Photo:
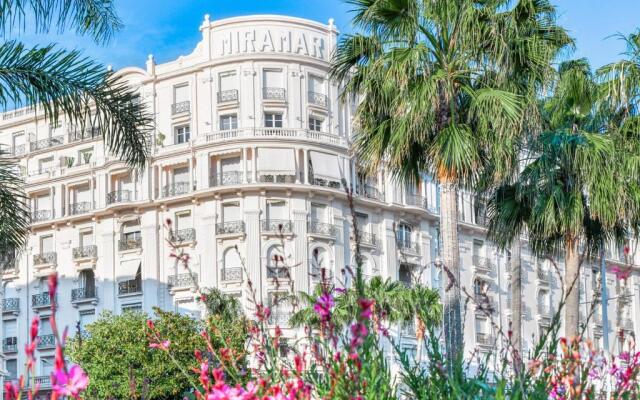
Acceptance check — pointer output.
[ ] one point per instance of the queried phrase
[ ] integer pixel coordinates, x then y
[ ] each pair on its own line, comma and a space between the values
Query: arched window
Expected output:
276, 268
404, 235
543, 302
231, 265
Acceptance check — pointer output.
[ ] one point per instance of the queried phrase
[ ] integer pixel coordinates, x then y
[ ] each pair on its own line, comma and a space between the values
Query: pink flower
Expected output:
620, 273
323, 306
162, 345
366, 306
263, 312
70, 384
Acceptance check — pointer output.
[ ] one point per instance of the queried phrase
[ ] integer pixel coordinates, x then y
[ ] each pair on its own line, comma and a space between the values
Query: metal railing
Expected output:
131, 286
321, 228
89, 251
276, 177
333, 184
14, 151
11, 305
45, 258
83, 293
316, 136
417, 201
279, 318
408, 246
183, 235
226, 179
319, 99
183, 280
118, 196
232, 274
276, 272
80, 208
272, 93
482, 264
41, 215
43, 381
176, 189
231, 227
368, 238
10, 344
129, 244
41, 300
370, 192
181, 107
88, 133
484, 339
277, 226
47, 143
227, 95
46, 341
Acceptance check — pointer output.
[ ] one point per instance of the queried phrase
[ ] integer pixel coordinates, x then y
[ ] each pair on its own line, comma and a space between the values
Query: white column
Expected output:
255, 164
191, 165
243, 158
253, 250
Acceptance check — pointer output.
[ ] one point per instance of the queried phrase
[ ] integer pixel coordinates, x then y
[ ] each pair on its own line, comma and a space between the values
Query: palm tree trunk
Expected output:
450, 262
516, 303
571, 288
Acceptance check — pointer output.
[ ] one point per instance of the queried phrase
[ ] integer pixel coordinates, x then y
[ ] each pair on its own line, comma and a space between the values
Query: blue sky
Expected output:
168, 29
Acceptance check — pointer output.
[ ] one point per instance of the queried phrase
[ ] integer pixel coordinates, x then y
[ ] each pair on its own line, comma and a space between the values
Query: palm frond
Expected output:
15, 216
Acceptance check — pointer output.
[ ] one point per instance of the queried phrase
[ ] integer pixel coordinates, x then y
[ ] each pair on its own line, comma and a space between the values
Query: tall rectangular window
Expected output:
183, 220
318, 212
273, 120
231, 212
276, 209
45, 164
180, 93
229, 121
12, 369
46, 244
315, 124
182, 134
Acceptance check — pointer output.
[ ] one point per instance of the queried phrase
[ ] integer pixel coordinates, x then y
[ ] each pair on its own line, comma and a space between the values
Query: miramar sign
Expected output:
244, 41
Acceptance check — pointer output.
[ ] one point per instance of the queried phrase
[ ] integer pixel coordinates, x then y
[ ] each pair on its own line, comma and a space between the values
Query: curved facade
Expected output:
252, 139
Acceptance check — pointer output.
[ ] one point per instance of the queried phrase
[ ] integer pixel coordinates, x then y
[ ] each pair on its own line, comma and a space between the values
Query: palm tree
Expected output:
66, 83
572, 190
433, 77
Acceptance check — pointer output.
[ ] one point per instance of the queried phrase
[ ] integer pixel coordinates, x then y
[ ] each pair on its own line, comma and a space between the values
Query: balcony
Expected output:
11, 305
370, 192
129, 244
41, 215
279, 318
180, 236
321, 228
482, 264
41, 300
90, 251
276, 178
230, 228
325, 183
182, 107
226, 96
118, 196
47, 143
82, 207
88, 133
43, 381
277, 226
408, 246
368, 239
176, 189
417, 201
82, 294
14, 151
130, 287
10, 344
46, 342
275, 133
182, 281
318, 99
49, 258
278, 272
485, 339
232, 274
271, 93
226, 179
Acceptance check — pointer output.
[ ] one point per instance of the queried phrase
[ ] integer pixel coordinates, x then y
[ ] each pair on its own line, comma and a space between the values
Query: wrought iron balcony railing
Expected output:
277, 272
181, 107
408, 246
41, 215
118, 196
45, 258
231, 227
47, 143
46, 341
10, 344
485, 339
277, 226
183, 235
277, 178
80, 208
129, 244
272, 93
482, 264
88, 133
417, 201
368, 238
370, 192
227, 95
183, 280
132, 286
232, 274
41, 300
43, 381
319, 99
226, 179
321, 228
90, 251
11, 305
176, 189
333, 184
83, 293
13, 151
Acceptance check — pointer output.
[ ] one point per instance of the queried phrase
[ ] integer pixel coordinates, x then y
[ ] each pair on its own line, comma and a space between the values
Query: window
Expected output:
363, 221
277, 210
87, 317
86, 238
232, 265
12, 369
318, 212
276, 268
9, 329
180, 93
228, 87
404, 235
131, 307
182, 134
478, 248
87, 281
273, 78
272, 120
231, 212
320, 265
181, 175
480, 287
315, 124
46, 244
84, 156
45, 164
229, 121
481, 325
131, 231
405, 274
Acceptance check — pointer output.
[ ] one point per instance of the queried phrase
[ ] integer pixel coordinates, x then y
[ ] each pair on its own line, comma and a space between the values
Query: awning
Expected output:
276, 161
326, 166
128, 269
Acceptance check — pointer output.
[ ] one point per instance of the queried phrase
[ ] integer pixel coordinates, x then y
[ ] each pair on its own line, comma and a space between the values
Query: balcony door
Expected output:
87, 281
86, 238
277, 210
319, 212
231, 212
46, 244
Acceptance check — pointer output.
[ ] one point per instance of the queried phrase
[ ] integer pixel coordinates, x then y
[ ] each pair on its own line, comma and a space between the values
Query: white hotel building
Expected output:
251, 134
